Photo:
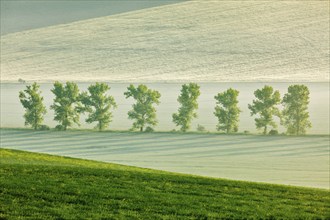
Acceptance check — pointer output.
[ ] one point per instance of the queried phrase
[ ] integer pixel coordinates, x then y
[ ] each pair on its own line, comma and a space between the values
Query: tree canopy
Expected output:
143, 112
227, 110
266, 106
188, 106
295, 112
32, 101
66, 104
98, 105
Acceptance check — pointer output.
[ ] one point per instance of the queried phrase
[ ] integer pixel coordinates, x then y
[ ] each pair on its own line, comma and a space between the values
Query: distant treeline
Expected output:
69, 103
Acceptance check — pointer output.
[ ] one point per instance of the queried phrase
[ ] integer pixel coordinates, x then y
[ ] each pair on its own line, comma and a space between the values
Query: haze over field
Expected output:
20, 15
191, 41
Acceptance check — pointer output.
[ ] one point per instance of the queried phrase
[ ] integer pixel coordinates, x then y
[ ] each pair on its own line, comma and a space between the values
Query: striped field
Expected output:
300, 161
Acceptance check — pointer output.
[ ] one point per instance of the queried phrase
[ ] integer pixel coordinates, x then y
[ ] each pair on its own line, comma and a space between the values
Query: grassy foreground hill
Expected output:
40, 186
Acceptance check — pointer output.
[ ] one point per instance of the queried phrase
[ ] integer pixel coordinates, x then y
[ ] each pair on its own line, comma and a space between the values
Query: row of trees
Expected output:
294, 116
69, 103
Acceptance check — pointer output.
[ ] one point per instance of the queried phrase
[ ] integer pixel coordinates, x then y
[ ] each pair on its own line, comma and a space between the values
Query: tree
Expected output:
187, 111
143, 112
98, 104
32, 101
295, 112
265, 106
227, 110
66, 104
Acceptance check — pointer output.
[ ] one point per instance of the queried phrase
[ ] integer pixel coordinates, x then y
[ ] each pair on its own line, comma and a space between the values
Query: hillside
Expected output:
38, 186
192, 41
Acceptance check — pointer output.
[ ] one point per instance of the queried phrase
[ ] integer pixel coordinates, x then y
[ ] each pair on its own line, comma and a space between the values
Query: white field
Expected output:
300, 161
202, 41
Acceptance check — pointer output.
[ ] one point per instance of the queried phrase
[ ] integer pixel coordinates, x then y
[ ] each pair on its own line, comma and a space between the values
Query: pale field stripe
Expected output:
299, 161
163, 144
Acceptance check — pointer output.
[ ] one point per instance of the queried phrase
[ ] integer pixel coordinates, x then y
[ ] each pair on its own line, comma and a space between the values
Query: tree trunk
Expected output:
66, 119
297, 130
35, 120
141, 128
298, 123
100, 125
298, 127
265, 130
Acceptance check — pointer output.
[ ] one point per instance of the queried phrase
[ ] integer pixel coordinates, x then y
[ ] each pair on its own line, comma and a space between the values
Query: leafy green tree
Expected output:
265, 106
227, 110
143, 112
295, 112
66, 104
187, 111
32, 101
98, 105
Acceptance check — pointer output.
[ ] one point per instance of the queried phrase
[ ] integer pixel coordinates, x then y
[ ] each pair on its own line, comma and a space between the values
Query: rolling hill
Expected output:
39, 186
191, 41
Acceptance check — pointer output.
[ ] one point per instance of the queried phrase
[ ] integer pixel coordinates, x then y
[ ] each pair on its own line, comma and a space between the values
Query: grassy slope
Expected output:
45, 187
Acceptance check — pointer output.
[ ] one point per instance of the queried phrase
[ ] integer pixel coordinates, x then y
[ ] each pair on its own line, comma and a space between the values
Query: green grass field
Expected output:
40, 186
